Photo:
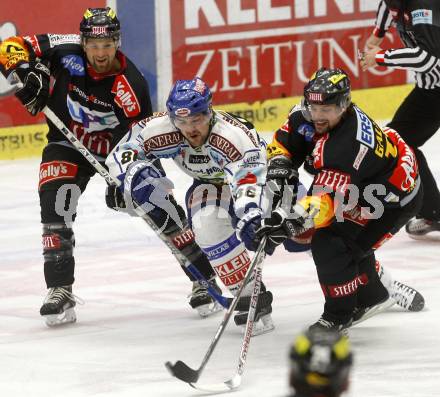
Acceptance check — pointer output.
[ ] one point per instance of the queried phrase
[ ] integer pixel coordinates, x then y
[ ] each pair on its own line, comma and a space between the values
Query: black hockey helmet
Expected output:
320, 363
100, 23
328, 86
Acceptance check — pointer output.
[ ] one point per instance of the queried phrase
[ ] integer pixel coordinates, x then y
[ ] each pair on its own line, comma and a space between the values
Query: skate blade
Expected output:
431, 236
414, 304
54, 320
417, 304
263, 326
209, 309
376, 310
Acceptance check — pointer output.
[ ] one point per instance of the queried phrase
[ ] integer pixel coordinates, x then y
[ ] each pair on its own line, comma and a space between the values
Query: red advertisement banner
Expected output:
249, 50
28, 17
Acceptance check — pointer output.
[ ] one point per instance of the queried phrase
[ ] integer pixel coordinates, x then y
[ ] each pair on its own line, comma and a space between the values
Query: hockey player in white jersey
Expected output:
227, 160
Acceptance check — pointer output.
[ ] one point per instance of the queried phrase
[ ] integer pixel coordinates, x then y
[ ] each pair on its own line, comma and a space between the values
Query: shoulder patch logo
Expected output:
365, 130
307, 131
74, 64
125, 97
421, 16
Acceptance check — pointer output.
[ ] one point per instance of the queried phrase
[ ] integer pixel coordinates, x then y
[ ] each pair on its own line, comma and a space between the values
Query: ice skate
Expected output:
58, 306
201, 301
423, 229
362, 314
327, 325
263, 322
407, 297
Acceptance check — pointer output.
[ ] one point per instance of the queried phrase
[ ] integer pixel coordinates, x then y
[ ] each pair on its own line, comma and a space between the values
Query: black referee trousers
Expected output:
416, 120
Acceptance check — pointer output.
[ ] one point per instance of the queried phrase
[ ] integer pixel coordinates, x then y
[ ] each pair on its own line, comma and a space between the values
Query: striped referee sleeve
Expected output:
383, 20
414, 59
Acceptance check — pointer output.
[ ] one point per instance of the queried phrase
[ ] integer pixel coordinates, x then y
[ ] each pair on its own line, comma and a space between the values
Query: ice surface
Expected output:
136, 315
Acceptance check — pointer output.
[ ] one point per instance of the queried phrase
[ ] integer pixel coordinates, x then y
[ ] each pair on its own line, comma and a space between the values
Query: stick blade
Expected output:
181, 371
234, 383
225, 387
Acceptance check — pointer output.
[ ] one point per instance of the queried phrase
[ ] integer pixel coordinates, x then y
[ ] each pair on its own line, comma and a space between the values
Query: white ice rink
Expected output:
136, 314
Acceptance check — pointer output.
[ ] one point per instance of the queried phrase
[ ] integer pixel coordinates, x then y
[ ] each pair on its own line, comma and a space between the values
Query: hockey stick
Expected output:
235, 381
183, 372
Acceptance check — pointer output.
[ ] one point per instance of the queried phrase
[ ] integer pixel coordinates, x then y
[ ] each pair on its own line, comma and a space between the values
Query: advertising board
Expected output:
249, 50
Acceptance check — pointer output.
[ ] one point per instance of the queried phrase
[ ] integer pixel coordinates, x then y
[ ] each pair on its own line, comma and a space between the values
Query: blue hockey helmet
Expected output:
189, 97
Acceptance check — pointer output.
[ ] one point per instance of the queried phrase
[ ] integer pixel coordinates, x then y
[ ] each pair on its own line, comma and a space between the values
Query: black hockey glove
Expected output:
282, 181
277, 228
35, 91
282, 225
114, 198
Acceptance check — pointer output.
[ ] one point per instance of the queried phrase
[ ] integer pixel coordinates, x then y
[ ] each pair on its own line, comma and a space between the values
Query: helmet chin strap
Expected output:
305, 110
343, 110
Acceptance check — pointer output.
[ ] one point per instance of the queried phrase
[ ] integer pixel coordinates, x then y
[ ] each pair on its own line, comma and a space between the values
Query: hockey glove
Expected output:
35, 91
250, 232
277, 229
282, 181
114, 198
146, 186
282, 226
247, 228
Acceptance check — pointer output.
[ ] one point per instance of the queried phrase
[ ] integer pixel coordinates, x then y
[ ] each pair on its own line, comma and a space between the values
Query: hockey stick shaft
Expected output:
235, 381
114, 181
251, 315
80, 147
255, 261
180, 369
225, 302
70, 136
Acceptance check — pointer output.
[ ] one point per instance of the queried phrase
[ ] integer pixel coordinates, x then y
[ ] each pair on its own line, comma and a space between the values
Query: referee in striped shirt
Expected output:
418, 117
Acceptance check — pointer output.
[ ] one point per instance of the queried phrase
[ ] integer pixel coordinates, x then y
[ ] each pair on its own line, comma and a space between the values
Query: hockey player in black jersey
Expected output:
417, 119
98, 93
366, 186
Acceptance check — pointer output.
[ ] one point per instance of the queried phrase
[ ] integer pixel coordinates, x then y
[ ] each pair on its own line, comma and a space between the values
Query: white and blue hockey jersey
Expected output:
233, 154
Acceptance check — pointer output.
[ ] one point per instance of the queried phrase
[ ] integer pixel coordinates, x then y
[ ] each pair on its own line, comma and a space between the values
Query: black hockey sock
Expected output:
59, 263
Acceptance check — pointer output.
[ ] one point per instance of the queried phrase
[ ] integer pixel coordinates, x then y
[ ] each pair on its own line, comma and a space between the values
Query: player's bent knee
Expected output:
230, 261
330, 253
